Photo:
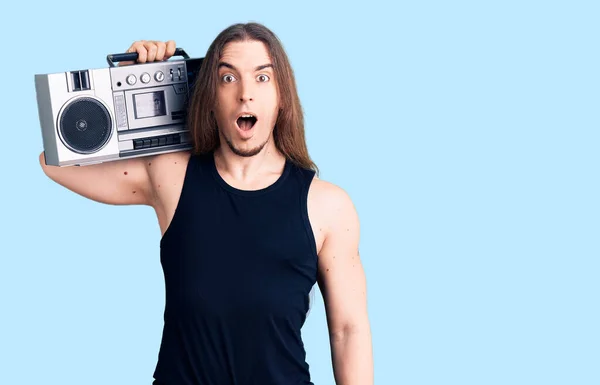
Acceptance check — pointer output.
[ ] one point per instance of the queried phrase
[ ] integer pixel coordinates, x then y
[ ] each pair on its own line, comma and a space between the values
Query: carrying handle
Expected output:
133, 56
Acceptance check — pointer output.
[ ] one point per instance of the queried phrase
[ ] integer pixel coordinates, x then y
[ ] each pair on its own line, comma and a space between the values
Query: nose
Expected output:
246, 91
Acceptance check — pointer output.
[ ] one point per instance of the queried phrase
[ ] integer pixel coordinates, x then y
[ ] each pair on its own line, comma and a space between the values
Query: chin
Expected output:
245, 151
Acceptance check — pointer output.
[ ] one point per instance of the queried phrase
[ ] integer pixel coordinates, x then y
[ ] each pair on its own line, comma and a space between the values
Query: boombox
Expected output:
105, 114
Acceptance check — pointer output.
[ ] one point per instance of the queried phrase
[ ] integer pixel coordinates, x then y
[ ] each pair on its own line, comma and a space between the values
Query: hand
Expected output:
150, 50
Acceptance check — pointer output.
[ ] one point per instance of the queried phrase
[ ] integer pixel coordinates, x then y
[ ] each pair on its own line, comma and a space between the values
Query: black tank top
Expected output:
239, 267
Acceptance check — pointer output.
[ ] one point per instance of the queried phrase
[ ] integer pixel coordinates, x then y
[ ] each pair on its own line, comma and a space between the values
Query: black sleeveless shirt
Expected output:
239, 266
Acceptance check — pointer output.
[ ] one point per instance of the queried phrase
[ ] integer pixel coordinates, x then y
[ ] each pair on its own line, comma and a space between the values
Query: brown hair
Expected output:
289, 128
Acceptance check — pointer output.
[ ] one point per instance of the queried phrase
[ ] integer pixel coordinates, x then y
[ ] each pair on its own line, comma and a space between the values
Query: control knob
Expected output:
131, 79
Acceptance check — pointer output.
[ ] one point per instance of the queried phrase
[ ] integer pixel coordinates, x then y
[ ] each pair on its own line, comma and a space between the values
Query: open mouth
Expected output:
246, 122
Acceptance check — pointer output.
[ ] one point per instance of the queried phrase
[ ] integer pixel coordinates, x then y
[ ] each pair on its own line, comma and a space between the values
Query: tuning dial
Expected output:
131, 79
159, 76
145, 78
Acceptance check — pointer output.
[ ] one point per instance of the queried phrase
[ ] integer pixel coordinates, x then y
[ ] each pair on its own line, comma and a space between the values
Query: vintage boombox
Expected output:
100, 115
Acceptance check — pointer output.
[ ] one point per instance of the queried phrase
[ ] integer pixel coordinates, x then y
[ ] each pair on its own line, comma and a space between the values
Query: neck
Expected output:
248, 169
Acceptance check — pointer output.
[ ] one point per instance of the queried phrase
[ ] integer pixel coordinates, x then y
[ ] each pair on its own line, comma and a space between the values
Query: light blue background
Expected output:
465, 132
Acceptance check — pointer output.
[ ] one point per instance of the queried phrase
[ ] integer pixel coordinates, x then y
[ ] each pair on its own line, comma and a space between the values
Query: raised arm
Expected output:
119, 182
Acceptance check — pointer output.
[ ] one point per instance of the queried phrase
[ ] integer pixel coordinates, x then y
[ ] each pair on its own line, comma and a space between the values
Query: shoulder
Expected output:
164, 164
333, 204
328, 193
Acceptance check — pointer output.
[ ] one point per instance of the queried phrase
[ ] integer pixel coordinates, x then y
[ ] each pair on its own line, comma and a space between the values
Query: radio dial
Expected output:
131, 80
145, 78
159, 76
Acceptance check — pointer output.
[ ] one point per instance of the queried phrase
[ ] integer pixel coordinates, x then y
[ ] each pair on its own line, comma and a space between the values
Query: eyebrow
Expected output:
260, 67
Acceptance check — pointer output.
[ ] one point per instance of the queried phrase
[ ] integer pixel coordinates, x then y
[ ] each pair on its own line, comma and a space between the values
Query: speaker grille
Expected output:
85, 125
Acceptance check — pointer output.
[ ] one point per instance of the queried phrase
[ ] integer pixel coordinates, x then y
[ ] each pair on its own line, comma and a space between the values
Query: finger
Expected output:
129, 50
139, 47
125, 63
170, 49
151, 48
160, 50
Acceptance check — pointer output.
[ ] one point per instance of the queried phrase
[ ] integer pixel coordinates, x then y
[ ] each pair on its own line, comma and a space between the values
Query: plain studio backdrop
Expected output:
465, 132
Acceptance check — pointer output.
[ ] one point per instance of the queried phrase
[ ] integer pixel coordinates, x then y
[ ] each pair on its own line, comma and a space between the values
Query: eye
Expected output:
263, 78
227, 78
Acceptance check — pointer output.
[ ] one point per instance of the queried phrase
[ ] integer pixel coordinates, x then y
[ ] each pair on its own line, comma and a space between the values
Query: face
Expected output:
247, 100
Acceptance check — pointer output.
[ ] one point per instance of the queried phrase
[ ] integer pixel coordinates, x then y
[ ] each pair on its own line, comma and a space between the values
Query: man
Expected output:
247, 228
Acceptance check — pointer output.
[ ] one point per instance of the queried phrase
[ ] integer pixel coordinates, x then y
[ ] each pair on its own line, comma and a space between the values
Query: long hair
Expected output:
288, 133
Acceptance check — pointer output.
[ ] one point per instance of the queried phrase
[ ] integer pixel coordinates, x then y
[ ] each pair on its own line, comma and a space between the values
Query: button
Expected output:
169, 139
131, 80
162, 141
154, 142
138, 143
147, 143
145, 78
176, 139
159, 76
85, 80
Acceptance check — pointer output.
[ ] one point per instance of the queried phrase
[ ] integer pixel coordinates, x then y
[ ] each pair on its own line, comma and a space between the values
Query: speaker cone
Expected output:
85, 125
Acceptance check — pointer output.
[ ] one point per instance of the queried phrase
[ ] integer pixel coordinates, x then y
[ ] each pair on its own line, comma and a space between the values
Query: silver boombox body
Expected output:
100, 115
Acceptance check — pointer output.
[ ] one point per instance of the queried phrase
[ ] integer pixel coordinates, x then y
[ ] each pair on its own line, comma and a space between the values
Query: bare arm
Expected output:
343, 284
121, 182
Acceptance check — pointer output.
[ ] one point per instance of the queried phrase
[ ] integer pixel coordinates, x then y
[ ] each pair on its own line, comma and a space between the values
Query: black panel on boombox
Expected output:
85, 125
